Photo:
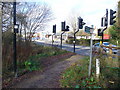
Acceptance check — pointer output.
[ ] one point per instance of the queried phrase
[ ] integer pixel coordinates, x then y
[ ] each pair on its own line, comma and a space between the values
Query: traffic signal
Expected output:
67, 28
106, 22
102, 21
54, 28
80, 23
99, 32
106, 18
63, 26
112, 17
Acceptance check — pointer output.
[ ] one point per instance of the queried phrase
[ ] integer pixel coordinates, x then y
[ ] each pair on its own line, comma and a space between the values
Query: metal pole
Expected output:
102, 37
103, 33
14, 42
75, 39
74, 42
61, 39
52, 40
90, 63
91, 43
75, 33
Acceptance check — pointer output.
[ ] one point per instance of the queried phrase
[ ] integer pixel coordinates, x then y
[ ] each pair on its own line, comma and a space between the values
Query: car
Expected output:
114, 51
97, 46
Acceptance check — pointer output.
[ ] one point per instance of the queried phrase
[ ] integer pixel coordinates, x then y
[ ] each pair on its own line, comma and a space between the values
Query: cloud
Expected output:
90, 10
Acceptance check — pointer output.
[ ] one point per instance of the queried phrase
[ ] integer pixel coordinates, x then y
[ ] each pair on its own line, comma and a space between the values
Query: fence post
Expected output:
110, 52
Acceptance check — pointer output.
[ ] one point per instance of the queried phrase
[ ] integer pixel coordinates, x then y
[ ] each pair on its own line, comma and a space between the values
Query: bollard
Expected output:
97, 68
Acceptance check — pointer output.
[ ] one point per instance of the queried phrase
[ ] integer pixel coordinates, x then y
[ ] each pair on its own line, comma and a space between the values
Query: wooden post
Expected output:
110, 52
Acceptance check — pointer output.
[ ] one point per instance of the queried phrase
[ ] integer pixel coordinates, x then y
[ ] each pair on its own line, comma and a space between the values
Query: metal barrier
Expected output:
111, 52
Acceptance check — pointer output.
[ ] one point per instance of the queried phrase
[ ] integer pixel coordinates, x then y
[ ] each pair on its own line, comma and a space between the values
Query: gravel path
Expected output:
50, 77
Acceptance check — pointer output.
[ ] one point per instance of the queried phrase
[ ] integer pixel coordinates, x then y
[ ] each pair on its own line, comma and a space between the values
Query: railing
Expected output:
111, 52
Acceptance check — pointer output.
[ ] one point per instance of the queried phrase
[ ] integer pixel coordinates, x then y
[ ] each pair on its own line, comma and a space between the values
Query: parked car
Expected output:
96, 47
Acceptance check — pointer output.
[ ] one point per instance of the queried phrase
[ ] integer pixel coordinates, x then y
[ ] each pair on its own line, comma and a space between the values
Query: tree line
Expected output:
31, 17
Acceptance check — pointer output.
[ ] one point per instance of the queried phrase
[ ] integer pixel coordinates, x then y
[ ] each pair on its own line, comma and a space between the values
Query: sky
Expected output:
90, 10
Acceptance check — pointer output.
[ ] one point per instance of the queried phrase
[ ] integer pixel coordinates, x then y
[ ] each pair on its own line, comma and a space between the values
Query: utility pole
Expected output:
14, 40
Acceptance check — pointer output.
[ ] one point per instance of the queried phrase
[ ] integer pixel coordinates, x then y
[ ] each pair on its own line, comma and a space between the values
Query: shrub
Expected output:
77, 75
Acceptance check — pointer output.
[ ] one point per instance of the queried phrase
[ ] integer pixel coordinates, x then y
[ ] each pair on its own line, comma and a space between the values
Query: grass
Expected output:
77, 75
32, 63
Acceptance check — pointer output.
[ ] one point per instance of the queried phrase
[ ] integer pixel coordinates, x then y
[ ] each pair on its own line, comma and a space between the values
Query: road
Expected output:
81, 50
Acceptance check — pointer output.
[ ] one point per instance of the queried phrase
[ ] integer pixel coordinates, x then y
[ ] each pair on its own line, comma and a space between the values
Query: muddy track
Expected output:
50, 77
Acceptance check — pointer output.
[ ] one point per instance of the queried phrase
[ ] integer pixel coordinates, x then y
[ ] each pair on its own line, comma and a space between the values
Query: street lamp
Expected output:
16, 27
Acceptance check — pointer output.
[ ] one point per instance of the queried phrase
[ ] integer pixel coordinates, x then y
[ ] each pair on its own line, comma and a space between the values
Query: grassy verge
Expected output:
32, 63
77, 75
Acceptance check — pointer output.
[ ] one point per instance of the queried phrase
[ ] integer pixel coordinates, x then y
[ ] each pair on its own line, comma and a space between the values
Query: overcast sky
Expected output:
90, 10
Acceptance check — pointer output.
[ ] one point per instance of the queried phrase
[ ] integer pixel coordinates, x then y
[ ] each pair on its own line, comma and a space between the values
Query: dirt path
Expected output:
50, 77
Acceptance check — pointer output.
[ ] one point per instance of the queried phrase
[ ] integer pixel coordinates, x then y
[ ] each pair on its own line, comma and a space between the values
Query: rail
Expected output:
111, 52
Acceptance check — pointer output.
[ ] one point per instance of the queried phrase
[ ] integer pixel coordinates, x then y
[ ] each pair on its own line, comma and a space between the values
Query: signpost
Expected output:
91, 43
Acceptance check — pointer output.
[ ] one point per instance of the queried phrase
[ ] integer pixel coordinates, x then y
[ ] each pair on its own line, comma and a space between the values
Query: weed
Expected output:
109, 74
32, 65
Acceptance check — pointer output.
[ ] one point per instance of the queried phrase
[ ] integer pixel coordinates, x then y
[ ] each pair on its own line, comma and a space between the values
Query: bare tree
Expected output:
38, 17
6, 16
119, 13
73, 20
33, 17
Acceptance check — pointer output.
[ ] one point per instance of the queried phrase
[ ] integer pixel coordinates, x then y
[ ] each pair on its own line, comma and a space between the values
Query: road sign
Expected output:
88, 29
